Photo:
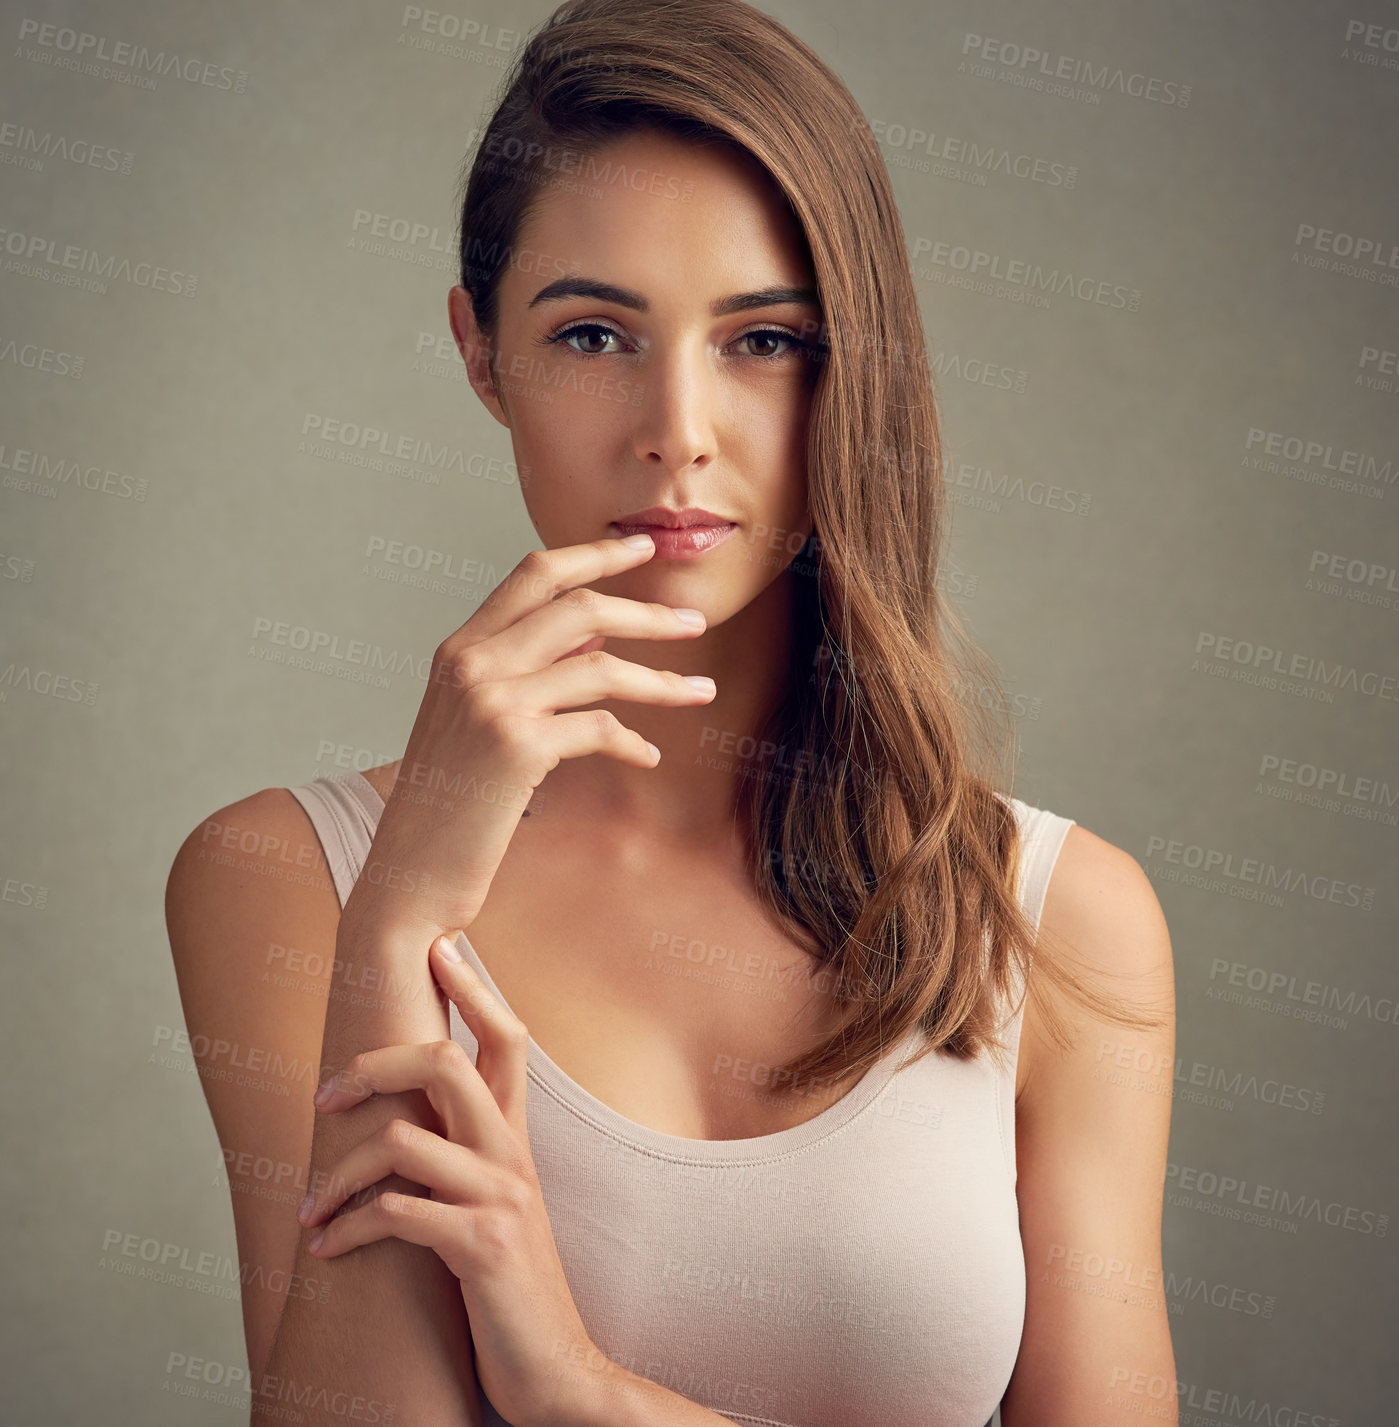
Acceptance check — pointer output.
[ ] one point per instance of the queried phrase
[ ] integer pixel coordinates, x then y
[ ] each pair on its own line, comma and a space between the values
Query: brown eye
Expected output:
594, 339
766, 337
589, 332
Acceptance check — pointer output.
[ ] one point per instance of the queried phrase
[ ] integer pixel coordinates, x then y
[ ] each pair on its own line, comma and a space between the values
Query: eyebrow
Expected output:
565, 287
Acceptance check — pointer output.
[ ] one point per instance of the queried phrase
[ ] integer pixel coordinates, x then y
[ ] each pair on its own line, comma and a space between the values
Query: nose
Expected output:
675, 425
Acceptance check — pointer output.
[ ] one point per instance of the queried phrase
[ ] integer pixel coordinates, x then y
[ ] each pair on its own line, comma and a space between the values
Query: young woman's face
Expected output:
654, 347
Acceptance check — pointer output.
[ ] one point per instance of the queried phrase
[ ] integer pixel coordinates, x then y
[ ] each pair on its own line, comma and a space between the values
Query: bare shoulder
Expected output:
256, 861
251, 913
1100, 906
1094, 886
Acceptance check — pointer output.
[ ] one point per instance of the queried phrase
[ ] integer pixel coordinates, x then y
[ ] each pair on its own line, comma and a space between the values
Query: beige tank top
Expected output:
864, 1267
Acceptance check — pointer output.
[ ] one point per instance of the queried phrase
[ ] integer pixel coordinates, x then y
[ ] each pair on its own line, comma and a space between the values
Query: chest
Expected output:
872, 1274
661, 984
662, 987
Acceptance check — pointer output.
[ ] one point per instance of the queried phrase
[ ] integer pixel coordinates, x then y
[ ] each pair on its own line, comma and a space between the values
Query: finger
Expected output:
443, 1069
575, 735
502, 1042
395, 1216
542, 576
451, 1171
573, 682
569, 625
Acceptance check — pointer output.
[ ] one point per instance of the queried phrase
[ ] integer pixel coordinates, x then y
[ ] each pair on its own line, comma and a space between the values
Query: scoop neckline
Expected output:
554, 1081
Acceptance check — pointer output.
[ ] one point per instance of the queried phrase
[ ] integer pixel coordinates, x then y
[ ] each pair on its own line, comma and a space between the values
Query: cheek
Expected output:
563, 463
771, 428
584, 416
771, 454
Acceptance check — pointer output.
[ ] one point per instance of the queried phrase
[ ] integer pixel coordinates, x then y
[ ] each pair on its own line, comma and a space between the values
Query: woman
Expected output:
786, 1141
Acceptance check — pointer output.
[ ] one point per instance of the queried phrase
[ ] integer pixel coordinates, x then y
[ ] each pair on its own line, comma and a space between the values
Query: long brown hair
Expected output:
877, 831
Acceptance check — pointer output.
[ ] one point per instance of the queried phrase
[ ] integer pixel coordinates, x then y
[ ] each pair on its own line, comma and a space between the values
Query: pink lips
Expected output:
667, 519
677, 534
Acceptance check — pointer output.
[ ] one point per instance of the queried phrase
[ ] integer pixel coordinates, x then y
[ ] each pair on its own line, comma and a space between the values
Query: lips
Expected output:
678, 534
659, 517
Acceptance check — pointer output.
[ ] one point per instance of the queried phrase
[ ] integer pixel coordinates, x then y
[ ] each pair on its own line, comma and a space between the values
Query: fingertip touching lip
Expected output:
667, 519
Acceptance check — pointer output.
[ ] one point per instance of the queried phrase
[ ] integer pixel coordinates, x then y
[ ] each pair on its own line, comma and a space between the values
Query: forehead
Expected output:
661, 215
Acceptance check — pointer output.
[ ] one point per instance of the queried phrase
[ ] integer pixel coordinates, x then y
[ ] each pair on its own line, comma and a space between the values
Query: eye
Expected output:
769, 335
775, 342
592, 329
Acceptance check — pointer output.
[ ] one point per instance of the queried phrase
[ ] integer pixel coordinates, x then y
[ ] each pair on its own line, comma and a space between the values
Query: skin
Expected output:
630, 850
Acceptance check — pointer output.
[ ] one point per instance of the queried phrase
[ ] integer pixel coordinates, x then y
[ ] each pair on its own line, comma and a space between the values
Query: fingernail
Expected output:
638, 541
701, 681
448, 949
693, 617
304, 1208
325, 1092
316, 1242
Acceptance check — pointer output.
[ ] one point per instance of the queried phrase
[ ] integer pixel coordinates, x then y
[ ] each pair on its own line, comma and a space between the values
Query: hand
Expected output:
485, 1217
489, 730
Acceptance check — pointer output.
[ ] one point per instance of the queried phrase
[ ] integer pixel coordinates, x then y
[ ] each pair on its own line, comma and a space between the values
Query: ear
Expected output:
475, 350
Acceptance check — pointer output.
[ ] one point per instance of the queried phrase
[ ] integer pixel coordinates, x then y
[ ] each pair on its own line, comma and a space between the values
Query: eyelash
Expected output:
798, 346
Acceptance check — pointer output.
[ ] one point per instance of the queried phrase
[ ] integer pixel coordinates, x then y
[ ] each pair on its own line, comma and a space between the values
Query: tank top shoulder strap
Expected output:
344, 813
1042, 834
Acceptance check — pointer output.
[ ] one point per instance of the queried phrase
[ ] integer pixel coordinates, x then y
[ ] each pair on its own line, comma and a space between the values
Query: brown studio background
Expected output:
1188, 451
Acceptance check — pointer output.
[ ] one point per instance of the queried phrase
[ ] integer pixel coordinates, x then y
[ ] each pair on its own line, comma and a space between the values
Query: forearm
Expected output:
392, 1328
612, 1396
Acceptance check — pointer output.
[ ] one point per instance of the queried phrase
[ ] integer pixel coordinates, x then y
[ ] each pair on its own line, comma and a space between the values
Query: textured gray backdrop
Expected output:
1158, 258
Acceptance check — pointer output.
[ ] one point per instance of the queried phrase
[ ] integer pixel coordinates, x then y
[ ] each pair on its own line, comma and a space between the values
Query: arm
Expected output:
486, 1219
1091, 1143
387, 1323
619, 1398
